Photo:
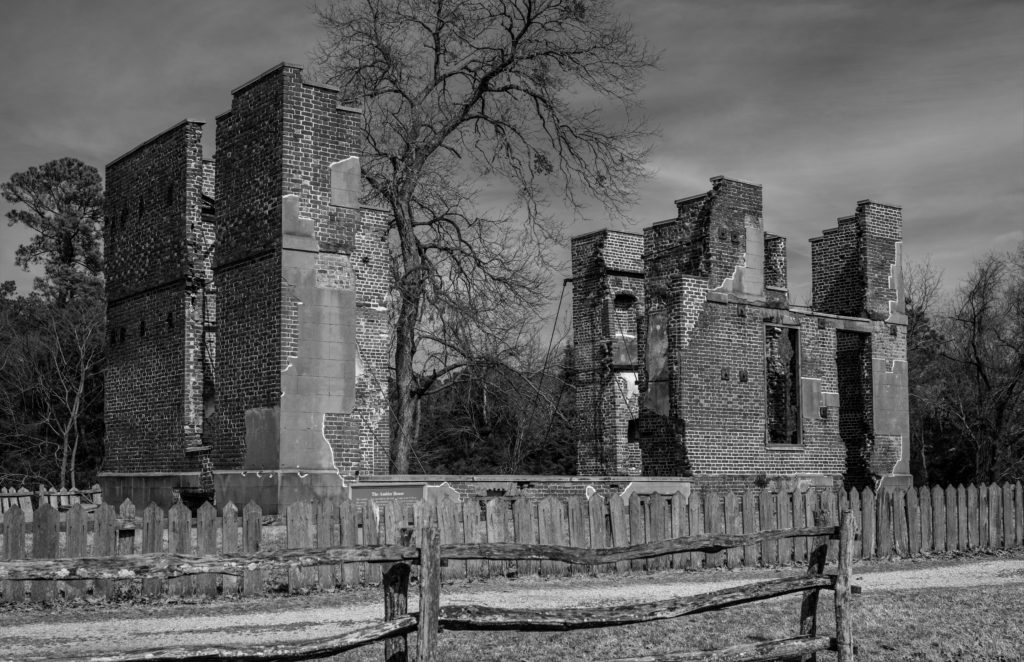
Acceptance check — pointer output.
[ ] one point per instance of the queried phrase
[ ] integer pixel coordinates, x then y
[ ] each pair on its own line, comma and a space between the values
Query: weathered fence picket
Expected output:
696, 528
206, 543
45, 543
766, 508
636, 528
252, 535
913, 523
892, 523
77, 547
229, 545
578, 533
104, 543
784, 504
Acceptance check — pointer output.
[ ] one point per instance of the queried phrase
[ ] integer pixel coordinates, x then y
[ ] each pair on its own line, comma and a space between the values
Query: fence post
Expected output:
396, 600
815, 566
844, 617
430, 592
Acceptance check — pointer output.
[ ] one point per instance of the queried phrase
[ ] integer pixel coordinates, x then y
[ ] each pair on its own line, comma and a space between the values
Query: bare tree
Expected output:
983, 353
51, 388
923, 287
510, 416
458, 93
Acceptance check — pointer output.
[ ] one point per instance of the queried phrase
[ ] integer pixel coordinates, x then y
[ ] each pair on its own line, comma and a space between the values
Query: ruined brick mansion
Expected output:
249, 334
691, 360
246, 305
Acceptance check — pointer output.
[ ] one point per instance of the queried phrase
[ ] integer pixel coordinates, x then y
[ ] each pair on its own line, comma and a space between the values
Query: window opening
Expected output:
624, 349
782, 384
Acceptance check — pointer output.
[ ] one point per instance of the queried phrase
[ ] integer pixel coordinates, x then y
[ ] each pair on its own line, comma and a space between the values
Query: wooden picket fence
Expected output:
430, 553
61, 499
920, 521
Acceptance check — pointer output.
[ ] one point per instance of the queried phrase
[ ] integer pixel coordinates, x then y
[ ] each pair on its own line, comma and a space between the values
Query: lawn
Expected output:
979, 623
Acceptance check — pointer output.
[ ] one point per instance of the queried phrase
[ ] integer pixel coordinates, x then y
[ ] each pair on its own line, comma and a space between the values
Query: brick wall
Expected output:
852, 263
157, 248
714, 284
241, 269
775, 272
608, 295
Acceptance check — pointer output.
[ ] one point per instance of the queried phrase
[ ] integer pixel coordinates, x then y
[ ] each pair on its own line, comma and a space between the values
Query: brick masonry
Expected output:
248, 298
712, 308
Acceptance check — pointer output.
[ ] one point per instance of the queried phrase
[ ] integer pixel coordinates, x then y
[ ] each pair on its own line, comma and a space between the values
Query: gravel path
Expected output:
72, 632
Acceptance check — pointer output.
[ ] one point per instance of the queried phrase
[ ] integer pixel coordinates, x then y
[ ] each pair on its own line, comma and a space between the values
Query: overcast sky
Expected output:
916, 103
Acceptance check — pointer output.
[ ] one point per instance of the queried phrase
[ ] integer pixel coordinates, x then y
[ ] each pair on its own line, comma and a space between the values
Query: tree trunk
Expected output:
65, 451
410, 291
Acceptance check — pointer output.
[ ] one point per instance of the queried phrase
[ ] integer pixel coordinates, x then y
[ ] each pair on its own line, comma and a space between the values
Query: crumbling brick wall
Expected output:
720, 398
262, 283
608, 295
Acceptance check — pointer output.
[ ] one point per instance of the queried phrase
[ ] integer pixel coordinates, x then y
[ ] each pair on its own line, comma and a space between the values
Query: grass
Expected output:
980, 623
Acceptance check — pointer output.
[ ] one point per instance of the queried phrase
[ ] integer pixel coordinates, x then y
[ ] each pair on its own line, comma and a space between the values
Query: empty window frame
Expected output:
782, 384
624, 349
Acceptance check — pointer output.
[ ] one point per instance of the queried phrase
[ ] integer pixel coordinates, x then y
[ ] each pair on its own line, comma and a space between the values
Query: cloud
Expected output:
824, 103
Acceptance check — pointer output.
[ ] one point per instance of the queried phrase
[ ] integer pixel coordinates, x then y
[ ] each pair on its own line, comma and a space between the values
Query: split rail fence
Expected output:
920, 521
429, 554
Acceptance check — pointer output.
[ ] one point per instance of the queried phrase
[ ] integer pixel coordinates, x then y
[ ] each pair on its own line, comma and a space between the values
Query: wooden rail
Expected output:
430, 553
151, 566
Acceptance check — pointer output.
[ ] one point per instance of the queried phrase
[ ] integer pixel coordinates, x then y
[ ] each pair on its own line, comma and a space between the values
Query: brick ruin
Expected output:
249, 331
247, 311
691, 361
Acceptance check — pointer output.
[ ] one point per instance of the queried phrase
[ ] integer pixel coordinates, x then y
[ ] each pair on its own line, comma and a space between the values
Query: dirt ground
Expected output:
80, 629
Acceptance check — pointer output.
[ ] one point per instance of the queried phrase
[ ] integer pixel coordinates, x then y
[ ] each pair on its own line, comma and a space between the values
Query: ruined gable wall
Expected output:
247, 264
